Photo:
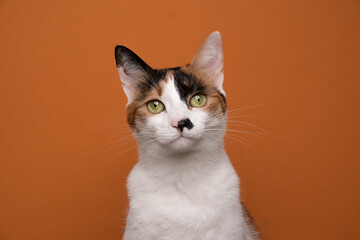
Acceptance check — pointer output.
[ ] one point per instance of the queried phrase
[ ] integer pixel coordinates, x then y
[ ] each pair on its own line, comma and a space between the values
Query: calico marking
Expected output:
188, 81
187, 84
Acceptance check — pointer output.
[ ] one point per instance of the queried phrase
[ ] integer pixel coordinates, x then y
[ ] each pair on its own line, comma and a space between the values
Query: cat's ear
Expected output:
209, 59
132, 70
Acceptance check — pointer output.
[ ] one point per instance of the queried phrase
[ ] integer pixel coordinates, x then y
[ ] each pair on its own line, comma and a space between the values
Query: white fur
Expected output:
184, 189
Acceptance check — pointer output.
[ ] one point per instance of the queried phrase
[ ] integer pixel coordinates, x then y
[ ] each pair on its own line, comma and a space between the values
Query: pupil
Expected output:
155, 104
197, 98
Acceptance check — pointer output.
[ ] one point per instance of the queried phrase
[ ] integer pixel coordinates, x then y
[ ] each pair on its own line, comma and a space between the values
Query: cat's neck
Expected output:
192, 164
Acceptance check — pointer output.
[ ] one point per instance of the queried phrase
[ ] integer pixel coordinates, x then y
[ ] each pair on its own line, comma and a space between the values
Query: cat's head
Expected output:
176, 109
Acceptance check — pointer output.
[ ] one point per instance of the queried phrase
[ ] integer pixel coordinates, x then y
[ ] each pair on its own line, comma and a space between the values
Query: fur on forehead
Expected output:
187, 81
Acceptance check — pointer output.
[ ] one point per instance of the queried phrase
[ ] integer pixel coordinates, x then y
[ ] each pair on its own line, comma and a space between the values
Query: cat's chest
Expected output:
182, 199
175, 205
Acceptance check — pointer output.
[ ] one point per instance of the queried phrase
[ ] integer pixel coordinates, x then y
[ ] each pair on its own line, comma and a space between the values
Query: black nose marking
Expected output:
185, 123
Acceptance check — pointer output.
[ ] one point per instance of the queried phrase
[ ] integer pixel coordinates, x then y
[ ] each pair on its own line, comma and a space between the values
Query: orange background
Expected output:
62, 110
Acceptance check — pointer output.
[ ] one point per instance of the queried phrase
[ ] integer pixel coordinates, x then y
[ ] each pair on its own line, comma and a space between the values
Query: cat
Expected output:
183, 186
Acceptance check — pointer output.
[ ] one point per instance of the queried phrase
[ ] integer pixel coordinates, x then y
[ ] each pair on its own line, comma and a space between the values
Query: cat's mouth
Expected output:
182, 142
176, 140
180, 137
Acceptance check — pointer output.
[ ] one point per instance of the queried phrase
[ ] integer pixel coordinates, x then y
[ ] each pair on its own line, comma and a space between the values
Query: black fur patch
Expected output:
187, 84
123, 54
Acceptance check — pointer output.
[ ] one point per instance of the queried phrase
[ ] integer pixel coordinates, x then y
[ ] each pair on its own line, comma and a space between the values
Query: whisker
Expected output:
246, 132
242, 116
123, 138
114, 146
252, 125
255, 134
123, 152
245, 108
120, 132
238, 140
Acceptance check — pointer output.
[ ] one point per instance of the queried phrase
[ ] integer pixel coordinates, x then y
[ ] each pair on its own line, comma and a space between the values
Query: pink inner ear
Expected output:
128, 83
210, 59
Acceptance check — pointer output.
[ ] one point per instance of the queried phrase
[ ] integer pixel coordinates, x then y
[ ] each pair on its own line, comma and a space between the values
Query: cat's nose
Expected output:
185, 123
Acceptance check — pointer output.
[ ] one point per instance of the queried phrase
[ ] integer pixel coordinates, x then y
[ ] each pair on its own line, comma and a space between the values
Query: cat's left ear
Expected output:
210, 60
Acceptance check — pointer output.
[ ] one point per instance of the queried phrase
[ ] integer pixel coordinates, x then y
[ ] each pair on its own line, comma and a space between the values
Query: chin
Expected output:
182, 144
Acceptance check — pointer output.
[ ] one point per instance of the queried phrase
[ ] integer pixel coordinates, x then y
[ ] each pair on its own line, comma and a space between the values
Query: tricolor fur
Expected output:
183, 186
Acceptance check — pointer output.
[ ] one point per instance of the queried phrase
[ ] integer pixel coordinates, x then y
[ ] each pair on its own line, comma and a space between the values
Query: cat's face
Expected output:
180, 112
178, 109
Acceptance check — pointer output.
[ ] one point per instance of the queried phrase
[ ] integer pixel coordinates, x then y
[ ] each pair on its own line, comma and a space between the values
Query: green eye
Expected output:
198, 100
155, 106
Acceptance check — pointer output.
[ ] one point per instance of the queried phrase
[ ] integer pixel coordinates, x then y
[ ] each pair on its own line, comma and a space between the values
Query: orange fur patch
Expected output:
137, 110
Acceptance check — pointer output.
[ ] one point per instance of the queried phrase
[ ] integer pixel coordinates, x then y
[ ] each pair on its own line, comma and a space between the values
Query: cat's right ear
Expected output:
132, 70
209, 59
